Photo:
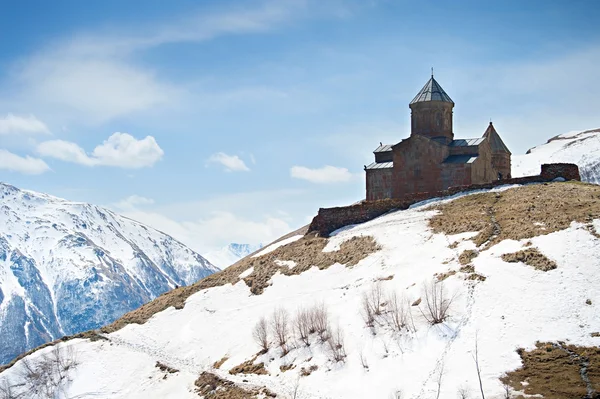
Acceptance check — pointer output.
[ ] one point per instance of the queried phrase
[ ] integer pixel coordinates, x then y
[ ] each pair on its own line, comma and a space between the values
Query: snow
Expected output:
278, 244
246, 273
514, 307
581, 148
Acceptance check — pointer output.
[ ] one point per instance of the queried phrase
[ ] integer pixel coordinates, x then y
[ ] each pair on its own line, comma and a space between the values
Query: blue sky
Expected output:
234, 121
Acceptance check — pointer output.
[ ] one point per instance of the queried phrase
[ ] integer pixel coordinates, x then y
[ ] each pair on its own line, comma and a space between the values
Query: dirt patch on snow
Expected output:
519, 213
531, 257
305, 252
249, 367
557, 371
211, 386
467, 256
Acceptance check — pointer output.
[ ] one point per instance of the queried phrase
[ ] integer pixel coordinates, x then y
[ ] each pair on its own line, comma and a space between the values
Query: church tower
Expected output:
431, 113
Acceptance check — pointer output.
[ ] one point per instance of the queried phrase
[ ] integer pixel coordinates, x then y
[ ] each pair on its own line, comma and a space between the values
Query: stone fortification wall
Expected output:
331, 219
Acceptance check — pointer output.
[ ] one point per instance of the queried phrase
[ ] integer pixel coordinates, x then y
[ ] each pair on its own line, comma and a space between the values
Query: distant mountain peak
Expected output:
70, 266
231, 253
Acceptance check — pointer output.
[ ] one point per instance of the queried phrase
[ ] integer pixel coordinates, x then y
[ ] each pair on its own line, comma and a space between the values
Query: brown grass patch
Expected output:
467, 256
467, 269
306, 371
531, 257
248, 367
219, 363
519, 213
164, 368
556, 370
287, 367
211, 386
475, 277
305, 252
443, 276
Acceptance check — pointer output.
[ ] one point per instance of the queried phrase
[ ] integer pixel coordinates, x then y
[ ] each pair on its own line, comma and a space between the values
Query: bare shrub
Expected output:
363, 360
335, 344
367, 311
302, 326
398, 313
280, 327
47, 375
506, 391
476, 360
261, 334
319, 321
372, 304
463, 393
437, 303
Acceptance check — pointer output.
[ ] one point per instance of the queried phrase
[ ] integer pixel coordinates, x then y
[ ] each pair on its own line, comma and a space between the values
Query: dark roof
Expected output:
384, 148
496, 142
432, 91
461, 158
466, 142
381, 165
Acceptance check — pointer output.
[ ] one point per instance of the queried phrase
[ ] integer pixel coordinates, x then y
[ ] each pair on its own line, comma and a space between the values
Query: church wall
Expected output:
501, 162
379, 184
456, 174
417, 166
482, 170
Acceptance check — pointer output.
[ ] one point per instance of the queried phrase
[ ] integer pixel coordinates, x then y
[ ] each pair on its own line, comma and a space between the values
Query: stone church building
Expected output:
431, 159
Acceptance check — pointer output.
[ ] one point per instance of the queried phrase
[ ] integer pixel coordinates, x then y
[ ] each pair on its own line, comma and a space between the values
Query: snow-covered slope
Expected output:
581, 148
67, 267
230, 254
514, 307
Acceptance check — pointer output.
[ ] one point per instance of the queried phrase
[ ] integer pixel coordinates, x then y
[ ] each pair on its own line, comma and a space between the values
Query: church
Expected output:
431, 159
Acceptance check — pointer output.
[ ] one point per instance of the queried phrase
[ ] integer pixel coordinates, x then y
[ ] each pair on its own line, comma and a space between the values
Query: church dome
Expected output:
432, 91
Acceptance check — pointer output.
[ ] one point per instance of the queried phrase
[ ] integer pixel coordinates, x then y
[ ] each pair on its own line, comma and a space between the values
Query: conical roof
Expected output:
496, 142
432, 91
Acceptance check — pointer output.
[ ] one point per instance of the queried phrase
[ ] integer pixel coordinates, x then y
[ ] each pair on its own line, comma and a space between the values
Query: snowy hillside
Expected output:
67, 267
511, 285
581, 148
230, 254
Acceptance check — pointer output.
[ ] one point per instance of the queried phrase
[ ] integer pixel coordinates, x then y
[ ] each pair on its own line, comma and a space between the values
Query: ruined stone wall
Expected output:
567, 171
379, 184
331, 219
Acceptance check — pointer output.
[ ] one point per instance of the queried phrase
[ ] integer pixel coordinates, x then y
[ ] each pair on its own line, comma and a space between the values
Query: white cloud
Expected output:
120, 150
132, 202
326, 174
216, 230
232, 163
14, 124
27, 165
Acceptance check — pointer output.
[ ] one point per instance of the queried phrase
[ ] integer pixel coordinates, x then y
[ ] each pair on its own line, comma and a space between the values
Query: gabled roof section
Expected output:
432, 91
466, 142
384, 148
496, 142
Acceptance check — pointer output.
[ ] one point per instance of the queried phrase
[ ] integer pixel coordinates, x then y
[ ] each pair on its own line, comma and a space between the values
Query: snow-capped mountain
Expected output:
581, 148
230, 254
67, 267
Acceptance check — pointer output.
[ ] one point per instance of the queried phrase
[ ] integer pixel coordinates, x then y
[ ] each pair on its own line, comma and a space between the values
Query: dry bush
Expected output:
7, 391
398, 313
47, 375
280, 328
261, 334
249, 367
437, 303
319, 321
463, 393
335, 344
372, 304
302, 326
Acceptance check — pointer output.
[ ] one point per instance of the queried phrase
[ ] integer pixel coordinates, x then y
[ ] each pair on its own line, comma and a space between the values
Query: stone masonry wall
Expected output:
331, 219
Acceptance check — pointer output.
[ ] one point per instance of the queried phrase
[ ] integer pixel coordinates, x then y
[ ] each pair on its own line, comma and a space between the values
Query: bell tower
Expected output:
431, 113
